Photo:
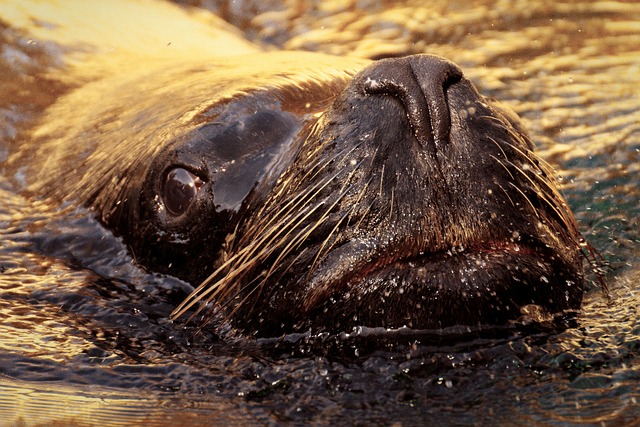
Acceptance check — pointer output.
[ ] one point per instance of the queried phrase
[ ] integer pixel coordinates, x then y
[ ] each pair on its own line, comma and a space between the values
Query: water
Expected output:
85, 337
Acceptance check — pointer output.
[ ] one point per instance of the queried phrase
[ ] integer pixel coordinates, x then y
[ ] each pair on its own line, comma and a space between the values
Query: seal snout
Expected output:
420, 83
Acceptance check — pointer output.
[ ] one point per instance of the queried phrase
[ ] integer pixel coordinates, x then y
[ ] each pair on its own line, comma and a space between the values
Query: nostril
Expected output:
434, 75
395, 77
419, 82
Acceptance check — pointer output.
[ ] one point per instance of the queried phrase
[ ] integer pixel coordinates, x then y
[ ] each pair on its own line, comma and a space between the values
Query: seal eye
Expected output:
180, 190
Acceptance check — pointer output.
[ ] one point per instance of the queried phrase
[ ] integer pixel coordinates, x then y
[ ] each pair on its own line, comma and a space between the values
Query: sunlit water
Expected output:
85, 337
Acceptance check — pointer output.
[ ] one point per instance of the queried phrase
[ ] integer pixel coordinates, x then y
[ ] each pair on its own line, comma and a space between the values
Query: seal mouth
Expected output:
422, 259
481, 284
354, 265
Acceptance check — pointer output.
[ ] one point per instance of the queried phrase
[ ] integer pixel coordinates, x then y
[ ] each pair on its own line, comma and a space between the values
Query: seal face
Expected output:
304, 195
413, 201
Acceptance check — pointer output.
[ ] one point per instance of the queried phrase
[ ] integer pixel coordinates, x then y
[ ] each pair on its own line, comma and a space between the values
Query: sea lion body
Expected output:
304, 191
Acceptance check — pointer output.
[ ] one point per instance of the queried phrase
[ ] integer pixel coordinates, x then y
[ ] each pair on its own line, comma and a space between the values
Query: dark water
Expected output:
85, 337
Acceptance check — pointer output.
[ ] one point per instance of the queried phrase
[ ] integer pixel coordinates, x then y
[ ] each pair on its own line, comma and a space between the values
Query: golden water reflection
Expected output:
51, 404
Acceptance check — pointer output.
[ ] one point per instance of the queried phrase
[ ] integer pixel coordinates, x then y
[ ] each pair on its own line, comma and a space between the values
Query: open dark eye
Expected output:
180, 190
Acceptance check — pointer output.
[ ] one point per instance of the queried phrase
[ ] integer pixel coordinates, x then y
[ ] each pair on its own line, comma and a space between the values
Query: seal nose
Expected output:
419, 82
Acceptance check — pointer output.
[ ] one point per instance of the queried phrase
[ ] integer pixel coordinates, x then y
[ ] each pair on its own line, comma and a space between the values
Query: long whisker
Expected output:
550, 194
278, 227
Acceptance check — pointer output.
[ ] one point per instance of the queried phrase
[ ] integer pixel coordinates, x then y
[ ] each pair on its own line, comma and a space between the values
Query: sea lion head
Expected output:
412, 201
302, 194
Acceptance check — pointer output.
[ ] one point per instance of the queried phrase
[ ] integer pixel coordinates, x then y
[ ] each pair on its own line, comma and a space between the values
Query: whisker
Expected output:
503, 165
303, 236
553, 198
278, 227
324, 249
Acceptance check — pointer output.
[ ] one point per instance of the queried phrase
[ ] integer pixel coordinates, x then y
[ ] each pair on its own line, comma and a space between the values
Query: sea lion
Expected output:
303, 191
